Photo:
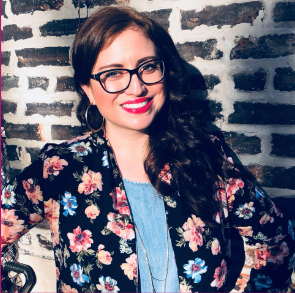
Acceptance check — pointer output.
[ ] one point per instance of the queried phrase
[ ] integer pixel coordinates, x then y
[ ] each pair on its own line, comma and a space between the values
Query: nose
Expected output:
136, 87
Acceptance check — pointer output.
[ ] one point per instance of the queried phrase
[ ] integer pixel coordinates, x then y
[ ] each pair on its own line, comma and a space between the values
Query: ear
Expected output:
88, 91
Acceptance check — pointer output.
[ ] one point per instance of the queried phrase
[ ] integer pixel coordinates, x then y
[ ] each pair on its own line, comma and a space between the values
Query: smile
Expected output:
138, 106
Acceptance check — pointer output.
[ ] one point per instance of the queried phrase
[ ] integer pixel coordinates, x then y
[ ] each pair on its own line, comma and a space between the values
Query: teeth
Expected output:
135, 106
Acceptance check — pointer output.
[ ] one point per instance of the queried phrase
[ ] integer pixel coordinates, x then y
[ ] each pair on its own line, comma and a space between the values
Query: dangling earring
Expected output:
102, 124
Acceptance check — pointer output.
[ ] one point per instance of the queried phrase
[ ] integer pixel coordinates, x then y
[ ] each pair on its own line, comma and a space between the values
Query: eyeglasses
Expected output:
117, 80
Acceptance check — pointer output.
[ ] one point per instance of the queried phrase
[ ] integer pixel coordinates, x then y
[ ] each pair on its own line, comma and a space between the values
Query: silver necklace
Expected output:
147, 260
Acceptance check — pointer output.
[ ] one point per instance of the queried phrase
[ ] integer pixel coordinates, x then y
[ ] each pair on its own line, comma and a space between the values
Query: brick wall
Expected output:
240, 54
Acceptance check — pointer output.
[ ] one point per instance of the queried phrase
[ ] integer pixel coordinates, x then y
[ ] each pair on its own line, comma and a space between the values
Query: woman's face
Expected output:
135, 107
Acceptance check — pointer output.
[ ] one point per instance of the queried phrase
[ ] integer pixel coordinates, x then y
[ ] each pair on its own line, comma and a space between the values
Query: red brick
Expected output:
206, 50
65, 132
65, 83
161, 16
262, 113
249, 82
9, 82
29, 6
5, 58
284, 11
54, 56
283, 145
270, 46
276, 177
231, 14
284, 79
13, 32
23, 131
38, 82
56, 109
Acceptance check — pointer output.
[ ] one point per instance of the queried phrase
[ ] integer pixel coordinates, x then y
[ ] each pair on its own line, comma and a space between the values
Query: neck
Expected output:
126, 141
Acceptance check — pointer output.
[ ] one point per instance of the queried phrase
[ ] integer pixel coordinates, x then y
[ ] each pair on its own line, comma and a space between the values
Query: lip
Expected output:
138, 101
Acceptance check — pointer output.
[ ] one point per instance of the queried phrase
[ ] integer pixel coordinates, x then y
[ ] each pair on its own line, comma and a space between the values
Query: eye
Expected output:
150, 67
114, 74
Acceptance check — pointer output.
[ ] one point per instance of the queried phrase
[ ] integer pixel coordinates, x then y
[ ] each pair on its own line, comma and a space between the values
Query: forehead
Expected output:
129, 45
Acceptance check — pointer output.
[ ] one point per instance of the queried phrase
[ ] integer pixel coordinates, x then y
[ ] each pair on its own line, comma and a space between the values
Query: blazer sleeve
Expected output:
269, 239
22, 201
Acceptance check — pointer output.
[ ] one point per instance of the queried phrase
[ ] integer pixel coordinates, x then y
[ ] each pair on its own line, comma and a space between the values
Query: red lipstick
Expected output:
146, 105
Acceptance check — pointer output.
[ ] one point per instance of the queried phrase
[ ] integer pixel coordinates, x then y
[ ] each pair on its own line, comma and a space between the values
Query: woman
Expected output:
147, 201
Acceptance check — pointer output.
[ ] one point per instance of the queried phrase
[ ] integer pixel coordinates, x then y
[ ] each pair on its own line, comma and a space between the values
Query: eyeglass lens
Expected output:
119, 79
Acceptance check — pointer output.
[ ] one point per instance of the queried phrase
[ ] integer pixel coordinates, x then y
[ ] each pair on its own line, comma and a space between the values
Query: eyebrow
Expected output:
121, 65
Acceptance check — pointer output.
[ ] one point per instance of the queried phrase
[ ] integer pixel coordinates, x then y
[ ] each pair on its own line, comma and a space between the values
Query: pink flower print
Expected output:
67, 289
276, 210
277, 253
245, 231
52, 166
91, 182
92, 212
32, 191
80, 240
130, 267
184, 289
215, 246
57, 273
166, 174
193, 232
259, 256
103, 256
266, 218
10, 226
120, 201
231, 188
35, 218
51, 210
219, 275
119, 227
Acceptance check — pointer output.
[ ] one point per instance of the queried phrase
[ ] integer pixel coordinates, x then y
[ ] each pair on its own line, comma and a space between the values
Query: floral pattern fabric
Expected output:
77, 188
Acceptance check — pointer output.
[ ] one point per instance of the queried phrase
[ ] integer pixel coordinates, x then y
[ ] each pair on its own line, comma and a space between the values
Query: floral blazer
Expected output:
77, 187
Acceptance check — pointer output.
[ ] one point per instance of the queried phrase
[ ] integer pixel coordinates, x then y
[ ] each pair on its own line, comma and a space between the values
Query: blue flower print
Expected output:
81, 148
8, 196
107, 284
245, 211
77, 274
105, 161
194, 269
262, 281
70, 204
292, 262
291, 230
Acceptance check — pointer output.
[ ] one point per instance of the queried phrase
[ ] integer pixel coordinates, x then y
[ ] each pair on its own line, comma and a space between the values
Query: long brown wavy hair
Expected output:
182, 141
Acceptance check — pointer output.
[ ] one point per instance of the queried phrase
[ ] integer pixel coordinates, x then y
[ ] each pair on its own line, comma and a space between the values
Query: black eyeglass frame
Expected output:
96, 76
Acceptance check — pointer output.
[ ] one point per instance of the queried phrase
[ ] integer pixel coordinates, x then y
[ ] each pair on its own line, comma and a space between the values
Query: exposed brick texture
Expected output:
284, 11
270, 46
13, 32
277, 177
29, 6
161, 16
65, 83
284, 79
34, 152
92, 3
250, 82
231, 14
206, 82
9, 82
260, 113
56, 109
38, 82
206, 50
8, 107
55, 56
283, 145
22, 131
63, 132
3, 4
12, 152
242, 144
62, 27
5, 58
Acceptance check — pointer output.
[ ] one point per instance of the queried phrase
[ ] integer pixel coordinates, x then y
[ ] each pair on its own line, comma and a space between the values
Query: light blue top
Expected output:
148, 212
